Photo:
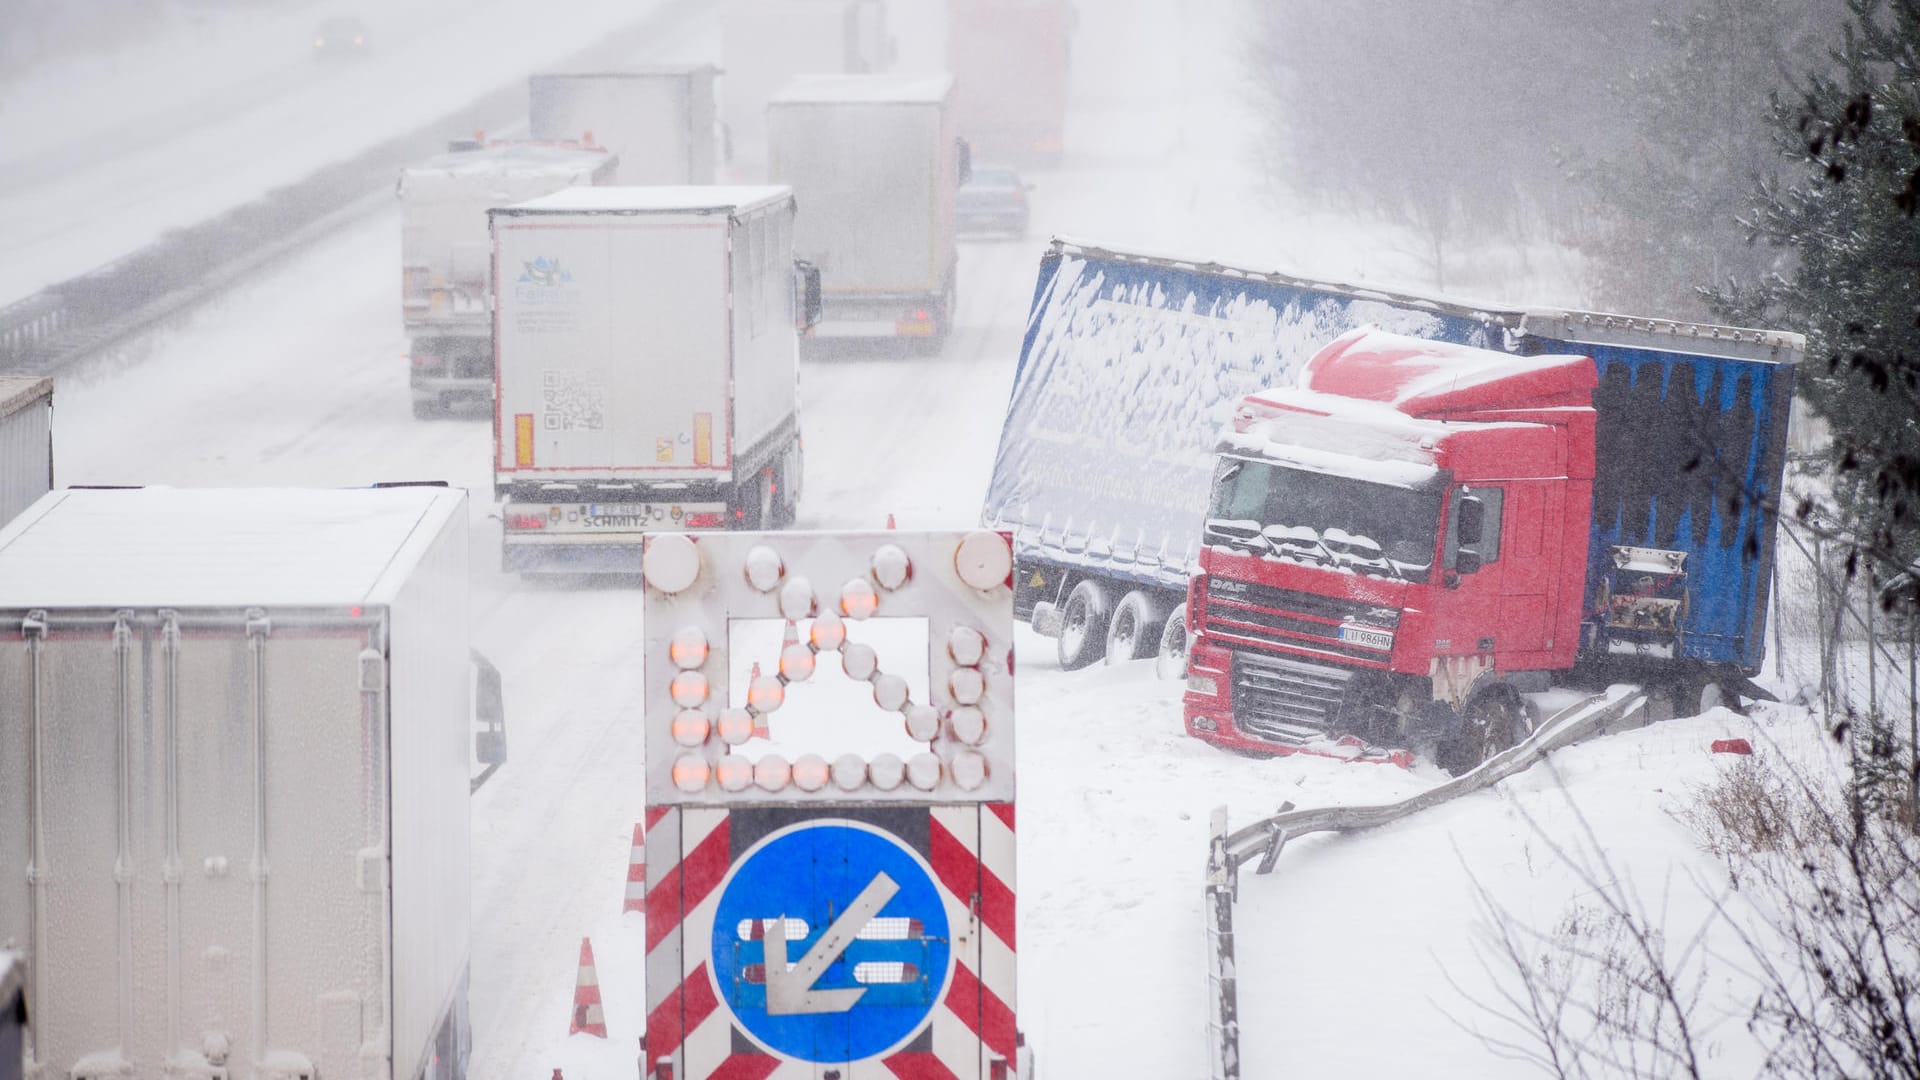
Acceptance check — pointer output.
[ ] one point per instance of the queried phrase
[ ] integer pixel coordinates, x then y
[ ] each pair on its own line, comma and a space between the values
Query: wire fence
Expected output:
1845, 641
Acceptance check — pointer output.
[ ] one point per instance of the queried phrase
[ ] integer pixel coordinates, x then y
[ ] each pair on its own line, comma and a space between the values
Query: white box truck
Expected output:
234, 777
26, 442
647, 358
876, 166
658, 121
765, 43
446, 258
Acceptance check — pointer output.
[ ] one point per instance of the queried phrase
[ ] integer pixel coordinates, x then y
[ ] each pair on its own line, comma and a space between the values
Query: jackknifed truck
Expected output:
234, 771
876, 163
648, 370
1365, 520
446, 263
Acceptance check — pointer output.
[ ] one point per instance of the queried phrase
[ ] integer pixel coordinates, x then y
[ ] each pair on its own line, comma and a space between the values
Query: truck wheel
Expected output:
1134, 630
1083, 626
429, 409
1494, 720
1172, 660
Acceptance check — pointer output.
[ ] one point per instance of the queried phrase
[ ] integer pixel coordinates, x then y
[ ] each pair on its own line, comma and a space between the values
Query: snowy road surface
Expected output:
102, 157
299, 377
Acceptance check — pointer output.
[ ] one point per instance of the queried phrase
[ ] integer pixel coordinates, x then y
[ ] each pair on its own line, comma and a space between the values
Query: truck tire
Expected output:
1133, 633
1493, 720
429, 408
1083, 625
1171, 663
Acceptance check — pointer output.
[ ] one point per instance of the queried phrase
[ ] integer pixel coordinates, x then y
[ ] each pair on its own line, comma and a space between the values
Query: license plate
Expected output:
1367, 637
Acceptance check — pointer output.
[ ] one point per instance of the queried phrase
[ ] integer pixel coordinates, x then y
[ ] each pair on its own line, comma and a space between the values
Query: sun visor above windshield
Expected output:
1380, 459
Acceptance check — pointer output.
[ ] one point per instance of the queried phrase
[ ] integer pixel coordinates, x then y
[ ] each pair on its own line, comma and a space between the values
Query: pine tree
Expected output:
1670, 203
1846, 218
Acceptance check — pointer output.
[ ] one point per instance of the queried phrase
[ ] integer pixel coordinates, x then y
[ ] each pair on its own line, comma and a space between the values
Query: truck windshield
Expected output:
1333, 521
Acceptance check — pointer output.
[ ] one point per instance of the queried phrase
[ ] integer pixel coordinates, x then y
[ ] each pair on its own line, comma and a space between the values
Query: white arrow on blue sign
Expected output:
862, 910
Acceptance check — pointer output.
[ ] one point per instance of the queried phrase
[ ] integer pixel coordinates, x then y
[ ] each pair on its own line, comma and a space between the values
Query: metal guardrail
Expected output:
65, 322
1231, 849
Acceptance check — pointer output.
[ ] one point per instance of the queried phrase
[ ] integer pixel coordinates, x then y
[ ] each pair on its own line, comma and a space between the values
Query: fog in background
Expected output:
1633, 131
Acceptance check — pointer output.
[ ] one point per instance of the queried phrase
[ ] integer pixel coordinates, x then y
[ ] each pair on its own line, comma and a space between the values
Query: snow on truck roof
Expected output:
521, 159
218, 548
879, 89
638, 71
1585, 327
653, 199
1428, 378
19, 391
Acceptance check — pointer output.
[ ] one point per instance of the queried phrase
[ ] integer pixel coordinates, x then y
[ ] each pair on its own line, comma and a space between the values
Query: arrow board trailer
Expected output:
658, 121
446, 260
830, 819
233, 735
26, 442
648, 376
876, 162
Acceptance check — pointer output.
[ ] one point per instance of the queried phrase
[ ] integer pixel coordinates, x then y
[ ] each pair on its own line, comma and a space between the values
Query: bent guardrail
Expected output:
1231, 849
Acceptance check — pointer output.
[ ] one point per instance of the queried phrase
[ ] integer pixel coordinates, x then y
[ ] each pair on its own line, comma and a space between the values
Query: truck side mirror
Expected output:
1467, 561
965, 154
807, 278
490, 711
1472, 514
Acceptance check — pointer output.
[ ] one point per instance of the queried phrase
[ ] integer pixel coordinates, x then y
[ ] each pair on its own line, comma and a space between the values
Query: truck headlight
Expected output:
1205, 723
1201, 684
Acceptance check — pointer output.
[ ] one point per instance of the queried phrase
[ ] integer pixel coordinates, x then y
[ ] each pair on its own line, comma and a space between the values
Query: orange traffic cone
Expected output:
790, 637
637, 873
588, 1018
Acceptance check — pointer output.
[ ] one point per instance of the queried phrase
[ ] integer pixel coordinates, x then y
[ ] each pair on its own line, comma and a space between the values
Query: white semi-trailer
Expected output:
765, 43
234, 776
659, 121
446, 259
646, 352
26, 442
876, 166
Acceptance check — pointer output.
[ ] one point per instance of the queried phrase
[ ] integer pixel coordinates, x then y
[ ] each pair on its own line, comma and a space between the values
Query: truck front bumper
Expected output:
1262, 704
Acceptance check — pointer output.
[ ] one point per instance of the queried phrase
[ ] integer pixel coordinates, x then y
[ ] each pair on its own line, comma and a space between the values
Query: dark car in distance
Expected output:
342, 35
993, 201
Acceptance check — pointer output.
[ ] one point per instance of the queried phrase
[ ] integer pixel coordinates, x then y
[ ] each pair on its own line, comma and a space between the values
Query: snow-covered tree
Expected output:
1846, 220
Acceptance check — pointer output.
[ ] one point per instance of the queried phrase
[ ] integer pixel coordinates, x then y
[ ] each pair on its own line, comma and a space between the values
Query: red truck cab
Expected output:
1394, 549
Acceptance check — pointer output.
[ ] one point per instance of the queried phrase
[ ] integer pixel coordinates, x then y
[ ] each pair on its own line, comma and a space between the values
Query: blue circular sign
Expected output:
862, 930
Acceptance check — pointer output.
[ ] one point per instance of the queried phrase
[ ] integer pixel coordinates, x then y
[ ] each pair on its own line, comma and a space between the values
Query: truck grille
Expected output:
1333, 608
1244, 611
1285, 700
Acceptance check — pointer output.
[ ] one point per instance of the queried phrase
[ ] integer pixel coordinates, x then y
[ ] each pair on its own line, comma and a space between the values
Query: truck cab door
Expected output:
1467, 622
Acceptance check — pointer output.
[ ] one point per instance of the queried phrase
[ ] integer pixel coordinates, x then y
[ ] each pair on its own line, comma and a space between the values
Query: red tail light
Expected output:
708, 520
526, 521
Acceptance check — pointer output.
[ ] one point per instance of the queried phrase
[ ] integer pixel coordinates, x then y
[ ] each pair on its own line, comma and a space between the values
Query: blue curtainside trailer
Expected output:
1133, 365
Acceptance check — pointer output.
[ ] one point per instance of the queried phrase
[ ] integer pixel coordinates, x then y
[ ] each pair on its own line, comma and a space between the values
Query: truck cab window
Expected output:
1475, 509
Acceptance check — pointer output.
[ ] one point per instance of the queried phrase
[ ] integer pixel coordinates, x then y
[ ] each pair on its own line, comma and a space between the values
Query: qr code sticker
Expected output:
573, 400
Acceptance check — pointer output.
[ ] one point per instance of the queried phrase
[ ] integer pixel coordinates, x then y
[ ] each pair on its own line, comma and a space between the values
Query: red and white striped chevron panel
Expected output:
970, 850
